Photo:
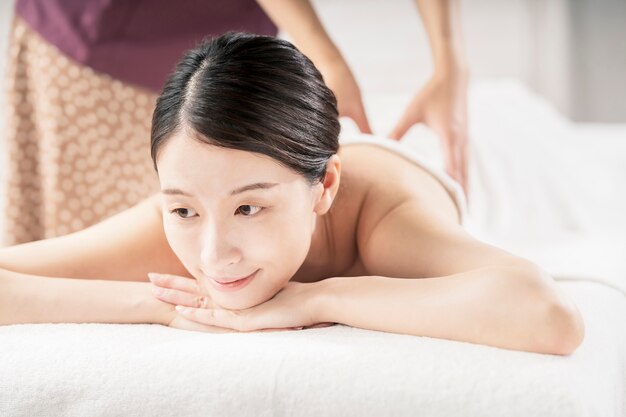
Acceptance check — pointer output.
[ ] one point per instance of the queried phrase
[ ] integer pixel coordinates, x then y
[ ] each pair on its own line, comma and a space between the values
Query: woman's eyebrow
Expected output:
256, 185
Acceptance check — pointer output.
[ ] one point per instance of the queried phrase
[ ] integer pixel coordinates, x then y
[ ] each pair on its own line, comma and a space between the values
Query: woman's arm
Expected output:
503, 306
449, 284
35, 299
496, 306
123, 247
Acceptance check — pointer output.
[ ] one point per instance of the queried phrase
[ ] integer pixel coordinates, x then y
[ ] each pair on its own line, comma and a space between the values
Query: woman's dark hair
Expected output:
251, 93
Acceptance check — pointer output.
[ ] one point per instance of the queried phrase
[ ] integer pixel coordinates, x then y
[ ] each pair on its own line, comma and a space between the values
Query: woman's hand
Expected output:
176, 290
441, 105
290, 309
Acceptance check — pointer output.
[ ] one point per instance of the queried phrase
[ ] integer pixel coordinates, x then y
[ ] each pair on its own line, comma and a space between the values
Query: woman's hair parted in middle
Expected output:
251, 93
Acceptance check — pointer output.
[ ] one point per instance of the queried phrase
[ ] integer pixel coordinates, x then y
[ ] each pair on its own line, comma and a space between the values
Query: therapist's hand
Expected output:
442, 105
339, 78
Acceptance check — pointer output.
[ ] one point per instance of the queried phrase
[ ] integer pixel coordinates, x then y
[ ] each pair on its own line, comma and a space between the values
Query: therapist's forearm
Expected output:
298, 19
494, 306
35, 299
442, 20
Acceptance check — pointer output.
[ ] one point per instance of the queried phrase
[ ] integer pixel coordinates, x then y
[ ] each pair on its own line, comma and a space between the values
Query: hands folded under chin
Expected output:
292, 308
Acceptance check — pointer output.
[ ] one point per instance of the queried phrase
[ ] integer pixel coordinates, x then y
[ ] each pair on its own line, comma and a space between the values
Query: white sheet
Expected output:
107, 370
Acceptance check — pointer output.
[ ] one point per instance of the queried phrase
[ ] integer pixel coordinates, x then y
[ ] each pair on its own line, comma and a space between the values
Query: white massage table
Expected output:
522, 197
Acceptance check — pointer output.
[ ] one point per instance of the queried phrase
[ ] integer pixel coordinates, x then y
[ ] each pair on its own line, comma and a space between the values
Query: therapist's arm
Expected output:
442, 21
441, 103
299, 19
26, 298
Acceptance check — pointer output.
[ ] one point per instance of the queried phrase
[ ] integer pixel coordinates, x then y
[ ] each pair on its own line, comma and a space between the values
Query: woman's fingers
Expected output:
179, 291
234, 320
216, 317
174, 282
286, 329
315, 326
177, 297
184, 324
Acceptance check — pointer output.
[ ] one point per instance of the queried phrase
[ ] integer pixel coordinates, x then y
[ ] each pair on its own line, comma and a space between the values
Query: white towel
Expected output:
77, 370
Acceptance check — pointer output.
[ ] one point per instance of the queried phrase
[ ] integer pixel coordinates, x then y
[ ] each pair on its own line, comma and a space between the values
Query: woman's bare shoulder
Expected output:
384, 181
389, 179
125, 246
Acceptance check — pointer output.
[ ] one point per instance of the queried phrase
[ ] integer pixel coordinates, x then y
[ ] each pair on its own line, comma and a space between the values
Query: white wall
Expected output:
389, 36
598, 68
570, 51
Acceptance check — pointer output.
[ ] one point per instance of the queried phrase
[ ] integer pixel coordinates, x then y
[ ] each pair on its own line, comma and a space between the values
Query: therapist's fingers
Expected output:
339, 78
462, 171
412, 115
455, 148
360, 118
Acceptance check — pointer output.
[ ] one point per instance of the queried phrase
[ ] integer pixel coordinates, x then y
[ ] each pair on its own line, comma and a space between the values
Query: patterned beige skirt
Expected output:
77, 142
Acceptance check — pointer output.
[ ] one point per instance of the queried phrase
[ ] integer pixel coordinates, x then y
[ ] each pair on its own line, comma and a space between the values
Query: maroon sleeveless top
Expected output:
138, 41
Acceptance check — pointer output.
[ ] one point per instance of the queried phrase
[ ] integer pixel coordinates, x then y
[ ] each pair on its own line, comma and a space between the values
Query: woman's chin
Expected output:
235, 301
234, 304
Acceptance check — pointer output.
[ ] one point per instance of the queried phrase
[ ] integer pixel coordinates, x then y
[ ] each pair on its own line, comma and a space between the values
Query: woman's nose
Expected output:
218, 251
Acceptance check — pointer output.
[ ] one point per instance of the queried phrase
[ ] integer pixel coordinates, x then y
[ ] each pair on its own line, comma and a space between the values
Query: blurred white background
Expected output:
573, 52
570, 51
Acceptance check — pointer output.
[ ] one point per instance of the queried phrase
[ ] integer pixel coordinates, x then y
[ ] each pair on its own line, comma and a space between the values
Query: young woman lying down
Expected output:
264, 222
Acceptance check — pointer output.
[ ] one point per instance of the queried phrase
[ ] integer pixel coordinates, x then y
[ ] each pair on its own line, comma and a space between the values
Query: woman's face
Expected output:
223, 227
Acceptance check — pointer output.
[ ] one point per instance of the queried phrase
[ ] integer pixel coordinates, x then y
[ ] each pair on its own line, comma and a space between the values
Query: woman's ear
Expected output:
330, 186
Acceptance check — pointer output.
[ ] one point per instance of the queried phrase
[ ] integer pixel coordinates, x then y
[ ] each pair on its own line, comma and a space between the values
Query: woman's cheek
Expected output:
180, 242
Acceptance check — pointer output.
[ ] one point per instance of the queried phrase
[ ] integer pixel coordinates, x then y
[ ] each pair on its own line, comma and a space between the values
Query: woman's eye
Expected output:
248, 210
183, 213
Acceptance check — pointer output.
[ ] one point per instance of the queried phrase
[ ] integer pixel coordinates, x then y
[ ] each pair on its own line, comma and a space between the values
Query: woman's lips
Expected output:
233, 285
